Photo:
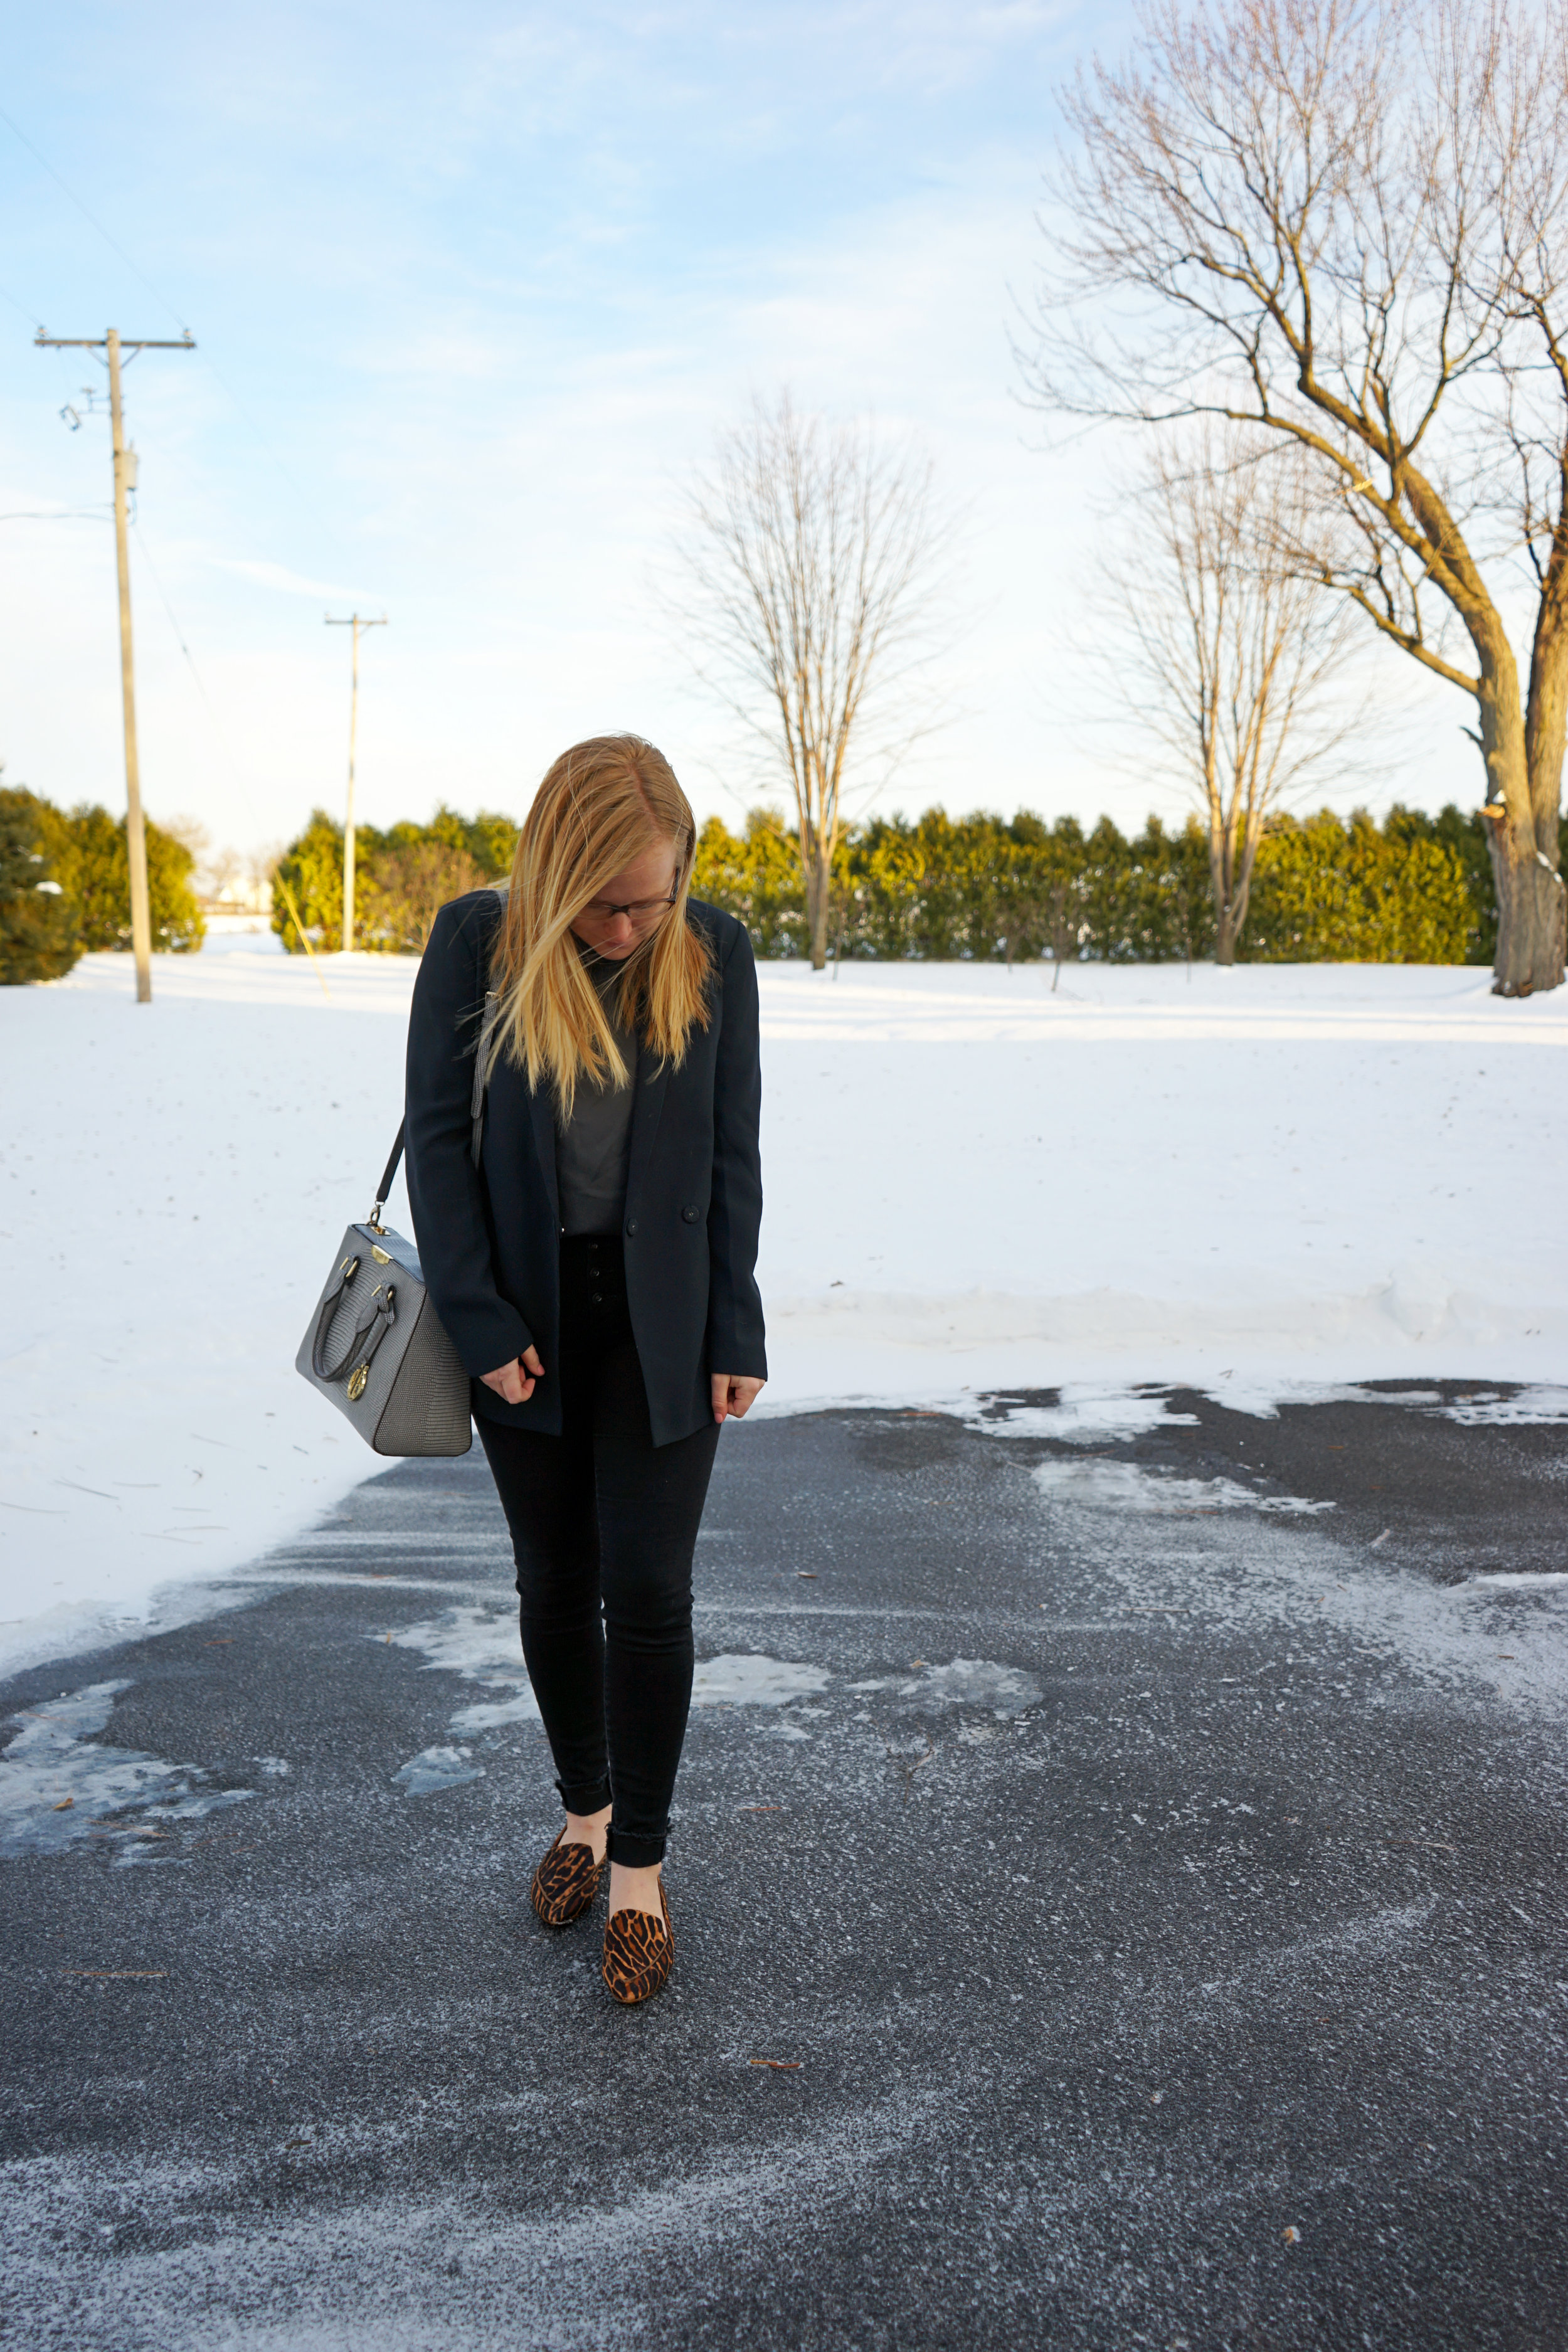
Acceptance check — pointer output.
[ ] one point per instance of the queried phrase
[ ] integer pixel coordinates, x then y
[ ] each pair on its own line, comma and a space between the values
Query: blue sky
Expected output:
473, 289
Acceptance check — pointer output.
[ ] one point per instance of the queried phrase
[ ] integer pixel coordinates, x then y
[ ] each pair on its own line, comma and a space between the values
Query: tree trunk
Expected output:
1229, 907
1545, 725
1531, 909
817, 877
1529, 895
1224, 938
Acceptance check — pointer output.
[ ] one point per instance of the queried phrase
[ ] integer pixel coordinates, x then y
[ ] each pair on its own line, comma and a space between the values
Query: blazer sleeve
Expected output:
735, 1333
446, 1191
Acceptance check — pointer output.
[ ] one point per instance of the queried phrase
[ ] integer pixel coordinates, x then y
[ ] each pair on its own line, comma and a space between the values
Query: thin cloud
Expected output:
287, 583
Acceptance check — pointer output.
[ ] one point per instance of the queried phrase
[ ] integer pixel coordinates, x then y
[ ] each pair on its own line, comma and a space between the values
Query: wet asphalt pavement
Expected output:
1129, 1909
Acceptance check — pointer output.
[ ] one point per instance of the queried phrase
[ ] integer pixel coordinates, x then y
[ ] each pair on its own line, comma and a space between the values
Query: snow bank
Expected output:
1278, 1172
1244, 1180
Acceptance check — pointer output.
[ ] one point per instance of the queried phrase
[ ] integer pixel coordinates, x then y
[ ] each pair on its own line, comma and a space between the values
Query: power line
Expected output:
241, 405
230, 763
20, 307
91, 219
260, 430
125, 477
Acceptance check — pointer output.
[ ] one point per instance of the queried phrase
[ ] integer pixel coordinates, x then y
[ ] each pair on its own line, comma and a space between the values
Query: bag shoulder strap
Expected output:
482, 1059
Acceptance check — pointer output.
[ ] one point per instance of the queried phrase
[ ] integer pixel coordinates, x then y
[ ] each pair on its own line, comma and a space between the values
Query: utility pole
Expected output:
357, 622
124, 480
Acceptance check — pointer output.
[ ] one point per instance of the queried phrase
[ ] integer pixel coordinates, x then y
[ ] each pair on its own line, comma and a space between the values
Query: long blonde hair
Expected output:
602, 804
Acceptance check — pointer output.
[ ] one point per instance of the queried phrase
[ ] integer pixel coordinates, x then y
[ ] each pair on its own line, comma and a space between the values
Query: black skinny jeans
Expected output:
604, 1524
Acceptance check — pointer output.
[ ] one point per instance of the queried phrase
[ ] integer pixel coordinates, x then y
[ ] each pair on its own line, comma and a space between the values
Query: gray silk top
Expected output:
591, 1148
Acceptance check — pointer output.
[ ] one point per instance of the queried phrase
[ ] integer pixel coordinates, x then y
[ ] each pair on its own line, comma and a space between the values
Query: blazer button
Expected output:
689, 1216
631, 1225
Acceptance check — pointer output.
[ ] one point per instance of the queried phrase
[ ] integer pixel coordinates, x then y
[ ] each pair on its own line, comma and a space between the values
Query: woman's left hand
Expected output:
734, 1393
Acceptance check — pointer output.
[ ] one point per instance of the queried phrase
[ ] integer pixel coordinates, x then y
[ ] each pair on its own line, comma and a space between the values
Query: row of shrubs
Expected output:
65, 886
402, 878
1414, 889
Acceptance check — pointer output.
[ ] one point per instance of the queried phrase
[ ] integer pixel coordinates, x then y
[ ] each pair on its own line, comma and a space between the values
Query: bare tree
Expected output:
1345, 222
1226, 652
259, 867
807, 579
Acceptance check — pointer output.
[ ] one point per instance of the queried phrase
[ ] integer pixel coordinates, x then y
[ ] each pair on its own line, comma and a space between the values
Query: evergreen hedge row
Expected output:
402, 878
1414, 889
79, 858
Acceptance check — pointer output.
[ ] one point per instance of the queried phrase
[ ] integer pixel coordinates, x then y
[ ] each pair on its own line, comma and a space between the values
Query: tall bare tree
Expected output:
1226, 653
1345, 222
806, 587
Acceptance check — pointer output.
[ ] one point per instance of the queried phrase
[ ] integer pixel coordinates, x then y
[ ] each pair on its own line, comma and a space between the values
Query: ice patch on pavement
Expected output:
481, 1646
1262, 1398
975, 1681
1515, 1580
476, 1643
1082, 1411
489, 1715
755, 1681
59, 1788
1127, 1487
1089, 1411
1539, 1403
434, 1768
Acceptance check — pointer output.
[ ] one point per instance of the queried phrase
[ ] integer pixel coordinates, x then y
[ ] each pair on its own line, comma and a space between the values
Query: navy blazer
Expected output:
490, 1238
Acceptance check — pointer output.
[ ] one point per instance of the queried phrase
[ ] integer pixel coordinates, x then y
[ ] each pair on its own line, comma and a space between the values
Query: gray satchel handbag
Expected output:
375, 1346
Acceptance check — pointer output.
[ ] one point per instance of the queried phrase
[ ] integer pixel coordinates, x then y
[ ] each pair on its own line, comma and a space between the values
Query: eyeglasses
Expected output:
636, 911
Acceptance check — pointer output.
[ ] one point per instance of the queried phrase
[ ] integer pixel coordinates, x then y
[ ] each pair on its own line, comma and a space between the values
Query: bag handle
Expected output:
475, 1104
378, 1320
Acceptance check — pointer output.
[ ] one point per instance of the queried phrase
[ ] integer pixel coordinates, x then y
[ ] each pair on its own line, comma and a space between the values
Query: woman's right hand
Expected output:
514, 1382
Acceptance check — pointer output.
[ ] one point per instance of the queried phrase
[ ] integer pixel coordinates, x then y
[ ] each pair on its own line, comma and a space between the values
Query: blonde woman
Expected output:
595, 1273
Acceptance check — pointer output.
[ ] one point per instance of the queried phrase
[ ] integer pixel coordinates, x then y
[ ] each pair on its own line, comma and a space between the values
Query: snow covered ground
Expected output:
1251, 1182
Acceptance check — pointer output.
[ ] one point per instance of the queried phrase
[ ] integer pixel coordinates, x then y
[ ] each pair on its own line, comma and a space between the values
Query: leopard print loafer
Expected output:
566, 1882
640, 1952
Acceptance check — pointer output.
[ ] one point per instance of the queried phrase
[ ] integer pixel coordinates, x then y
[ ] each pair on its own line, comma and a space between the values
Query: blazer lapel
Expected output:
648, 1102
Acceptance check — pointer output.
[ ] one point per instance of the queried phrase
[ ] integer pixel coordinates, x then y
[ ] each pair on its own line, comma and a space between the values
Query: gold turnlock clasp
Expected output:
357, 1379
382, 1257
